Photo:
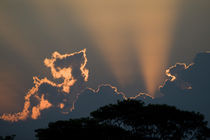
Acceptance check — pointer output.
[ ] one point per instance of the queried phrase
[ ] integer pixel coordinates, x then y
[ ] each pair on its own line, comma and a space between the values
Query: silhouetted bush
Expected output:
130, 119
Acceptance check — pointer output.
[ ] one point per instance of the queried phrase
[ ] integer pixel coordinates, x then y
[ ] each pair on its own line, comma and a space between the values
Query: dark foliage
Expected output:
80, 129
12, 137
130, 119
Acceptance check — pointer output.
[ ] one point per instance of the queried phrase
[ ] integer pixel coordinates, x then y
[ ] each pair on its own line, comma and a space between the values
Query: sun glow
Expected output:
118, 27
133, 36
155, 39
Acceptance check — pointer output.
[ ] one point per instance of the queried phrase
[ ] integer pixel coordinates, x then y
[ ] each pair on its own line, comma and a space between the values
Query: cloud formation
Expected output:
189, 78
185, 85
188, 86
71, 68
92, 99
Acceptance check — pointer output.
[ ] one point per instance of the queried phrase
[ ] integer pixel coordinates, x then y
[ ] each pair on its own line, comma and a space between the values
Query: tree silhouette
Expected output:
131, 119
12, 137
80, 129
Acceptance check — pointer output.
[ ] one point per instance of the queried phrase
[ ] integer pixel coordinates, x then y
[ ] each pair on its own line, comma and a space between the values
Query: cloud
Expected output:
188, 86
189, 78
176, 81
92, 99
71, 68
68, 91
88, 100
65, 93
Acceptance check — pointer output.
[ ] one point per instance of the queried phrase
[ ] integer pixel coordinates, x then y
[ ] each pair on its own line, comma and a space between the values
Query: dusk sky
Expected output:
153, 48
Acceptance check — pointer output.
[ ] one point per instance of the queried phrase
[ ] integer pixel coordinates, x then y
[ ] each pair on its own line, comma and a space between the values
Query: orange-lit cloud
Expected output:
71, 71
44, 104
180, 66
175, 76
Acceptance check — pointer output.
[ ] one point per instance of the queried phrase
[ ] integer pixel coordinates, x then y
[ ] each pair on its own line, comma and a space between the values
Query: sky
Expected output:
133, 48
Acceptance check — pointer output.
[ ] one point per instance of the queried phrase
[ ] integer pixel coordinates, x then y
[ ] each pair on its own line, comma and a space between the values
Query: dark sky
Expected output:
31, 31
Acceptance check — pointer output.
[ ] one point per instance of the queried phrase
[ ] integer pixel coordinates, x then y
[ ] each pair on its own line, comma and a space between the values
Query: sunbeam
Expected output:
118, 27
